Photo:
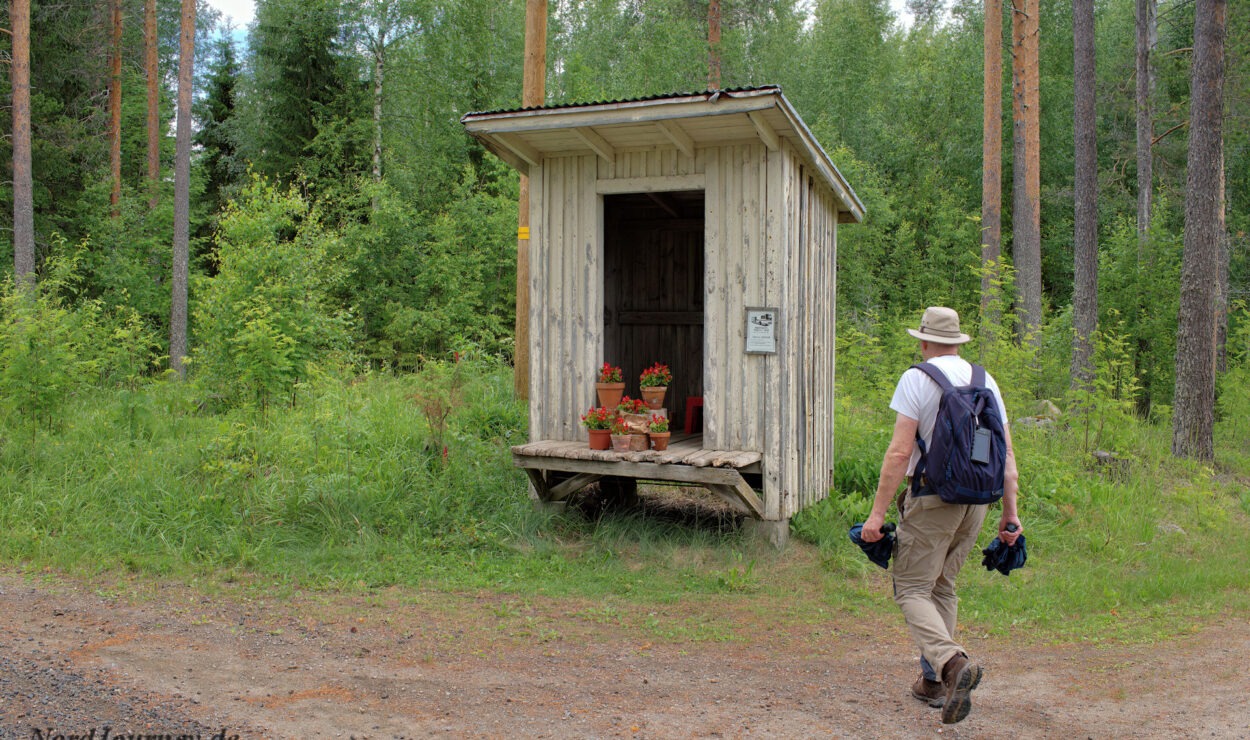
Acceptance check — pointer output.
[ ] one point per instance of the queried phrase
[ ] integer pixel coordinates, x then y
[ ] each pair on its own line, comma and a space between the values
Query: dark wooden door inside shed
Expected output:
653, 290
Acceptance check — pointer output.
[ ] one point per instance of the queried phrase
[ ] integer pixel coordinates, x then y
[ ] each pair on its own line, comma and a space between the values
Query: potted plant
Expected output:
654, 382
598, 423
610, 386
620, 435
658, 427
634, 412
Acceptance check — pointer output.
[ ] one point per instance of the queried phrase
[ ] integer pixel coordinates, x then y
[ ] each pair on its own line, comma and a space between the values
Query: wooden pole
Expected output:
533, 92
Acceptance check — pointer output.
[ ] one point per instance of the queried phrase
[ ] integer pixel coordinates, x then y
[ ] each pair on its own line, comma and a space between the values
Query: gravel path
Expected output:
163, 659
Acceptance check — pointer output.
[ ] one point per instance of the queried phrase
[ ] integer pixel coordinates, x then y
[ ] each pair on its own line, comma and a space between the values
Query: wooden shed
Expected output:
699, 230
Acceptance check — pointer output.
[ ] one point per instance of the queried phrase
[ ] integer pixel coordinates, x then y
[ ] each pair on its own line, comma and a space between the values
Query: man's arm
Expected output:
893, 470
1011, 490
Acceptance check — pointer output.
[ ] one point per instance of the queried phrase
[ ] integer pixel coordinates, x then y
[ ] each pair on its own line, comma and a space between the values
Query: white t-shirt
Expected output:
917, 397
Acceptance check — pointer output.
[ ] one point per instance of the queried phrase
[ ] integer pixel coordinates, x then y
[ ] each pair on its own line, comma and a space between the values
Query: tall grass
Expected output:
356, 485
365, 483
1134, 545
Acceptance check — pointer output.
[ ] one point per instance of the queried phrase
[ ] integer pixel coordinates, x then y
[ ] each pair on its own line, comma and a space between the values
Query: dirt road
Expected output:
404, 664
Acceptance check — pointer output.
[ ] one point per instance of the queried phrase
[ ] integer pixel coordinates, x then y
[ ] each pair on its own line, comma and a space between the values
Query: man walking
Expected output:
934, 537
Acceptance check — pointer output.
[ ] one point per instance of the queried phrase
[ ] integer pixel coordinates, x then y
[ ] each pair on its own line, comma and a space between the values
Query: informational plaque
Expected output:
762, 331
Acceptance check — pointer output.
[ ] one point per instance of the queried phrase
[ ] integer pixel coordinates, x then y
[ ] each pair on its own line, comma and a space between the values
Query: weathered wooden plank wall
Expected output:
810, 301
566, 312
768, 240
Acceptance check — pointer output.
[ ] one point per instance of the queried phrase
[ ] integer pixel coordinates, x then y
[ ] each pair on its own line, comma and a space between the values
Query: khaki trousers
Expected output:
934, 539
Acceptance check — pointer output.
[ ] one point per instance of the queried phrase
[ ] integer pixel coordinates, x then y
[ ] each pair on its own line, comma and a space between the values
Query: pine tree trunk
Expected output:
379, 70
1193, 418
1085, 217
23, 189
182, 191
713, 45
152, 67
1026, 182
1222, 296
1146, 33
115, 103
992, 163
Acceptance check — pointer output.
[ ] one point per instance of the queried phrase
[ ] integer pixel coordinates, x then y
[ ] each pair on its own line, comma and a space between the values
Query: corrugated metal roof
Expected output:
711, 94
524, 136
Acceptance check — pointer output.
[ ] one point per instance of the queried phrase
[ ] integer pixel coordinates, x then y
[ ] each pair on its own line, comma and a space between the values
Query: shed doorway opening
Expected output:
653, 290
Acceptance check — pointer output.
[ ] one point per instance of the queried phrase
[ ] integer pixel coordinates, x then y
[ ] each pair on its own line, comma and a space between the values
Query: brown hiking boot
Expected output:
959, 676
929, 692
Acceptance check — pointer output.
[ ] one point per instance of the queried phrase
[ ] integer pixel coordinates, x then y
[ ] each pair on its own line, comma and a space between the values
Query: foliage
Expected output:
218, 134
52, 347
1233, 400
440, 387
631, 406
656, 376
609, 374
1138, 283
598, 418
1112, 401
307, 114
423, 285
264, 323
658, 424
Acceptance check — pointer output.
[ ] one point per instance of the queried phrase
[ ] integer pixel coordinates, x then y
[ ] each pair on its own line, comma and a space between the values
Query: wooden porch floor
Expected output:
685, 461
683, 449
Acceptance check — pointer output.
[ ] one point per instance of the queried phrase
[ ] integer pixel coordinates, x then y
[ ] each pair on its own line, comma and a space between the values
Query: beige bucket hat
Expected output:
940, 325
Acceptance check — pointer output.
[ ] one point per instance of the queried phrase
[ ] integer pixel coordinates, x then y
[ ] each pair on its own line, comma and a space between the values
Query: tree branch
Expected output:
1159, 138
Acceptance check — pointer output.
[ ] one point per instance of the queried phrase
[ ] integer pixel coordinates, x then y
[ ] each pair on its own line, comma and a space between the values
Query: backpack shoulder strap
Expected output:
937, 375
978, 375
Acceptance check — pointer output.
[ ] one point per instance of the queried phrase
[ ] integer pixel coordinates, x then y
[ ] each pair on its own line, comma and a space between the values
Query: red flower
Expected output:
656, 376
598, 418
609, 374
631, 406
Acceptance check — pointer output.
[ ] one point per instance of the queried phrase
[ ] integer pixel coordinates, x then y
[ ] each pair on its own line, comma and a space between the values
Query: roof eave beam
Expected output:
678, 136
766, 132
517, 146
597, 143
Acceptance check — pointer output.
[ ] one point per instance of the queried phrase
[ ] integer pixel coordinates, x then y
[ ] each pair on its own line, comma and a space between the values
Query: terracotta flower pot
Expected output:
636, 423
659, 440
600, 439
638, 443
620, 442
609, 394
654, 395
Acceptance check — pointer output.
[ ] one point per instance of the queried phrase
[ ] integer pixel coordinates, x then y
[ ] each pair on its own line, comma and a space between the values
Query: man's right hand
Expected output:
871, 531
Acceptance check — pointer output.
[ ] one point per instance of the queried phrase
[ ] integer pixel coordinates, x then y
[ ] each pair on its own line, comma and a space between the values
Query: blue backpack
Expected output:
966, 461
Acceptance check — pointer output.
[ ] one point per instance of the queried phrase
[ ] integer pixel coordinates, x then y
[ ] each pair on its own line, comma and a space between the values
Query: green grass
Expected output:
351, 490
1128, 551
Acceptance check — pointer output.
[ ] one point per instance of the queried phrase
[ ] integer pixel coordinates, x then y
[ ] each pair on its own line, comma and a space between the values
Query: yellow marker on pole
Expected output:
523, 232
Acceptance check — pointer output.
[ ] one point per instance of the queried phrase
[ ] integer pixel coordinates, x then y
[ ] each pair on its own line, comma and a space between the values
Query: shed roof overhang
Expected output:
523, 137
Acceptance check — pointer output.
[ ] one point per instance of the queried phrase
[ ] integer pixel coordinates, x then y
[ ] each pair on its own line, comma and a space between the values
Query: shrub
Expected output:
52, 347
266, 321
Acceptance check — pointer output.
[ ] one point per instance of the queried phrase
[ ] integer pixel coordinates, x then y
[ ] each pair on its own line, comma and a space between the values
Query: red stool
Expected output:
693, 404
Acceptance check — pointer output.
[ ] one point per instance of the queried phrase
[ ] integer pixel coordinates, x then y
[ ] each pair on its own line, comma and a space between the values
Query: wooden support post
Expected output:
533, 93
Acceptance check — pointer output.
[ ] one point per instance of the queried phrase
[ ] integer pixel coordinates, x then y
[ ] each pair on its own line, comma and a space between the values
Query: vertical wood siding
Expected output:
770, 231
566, 310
